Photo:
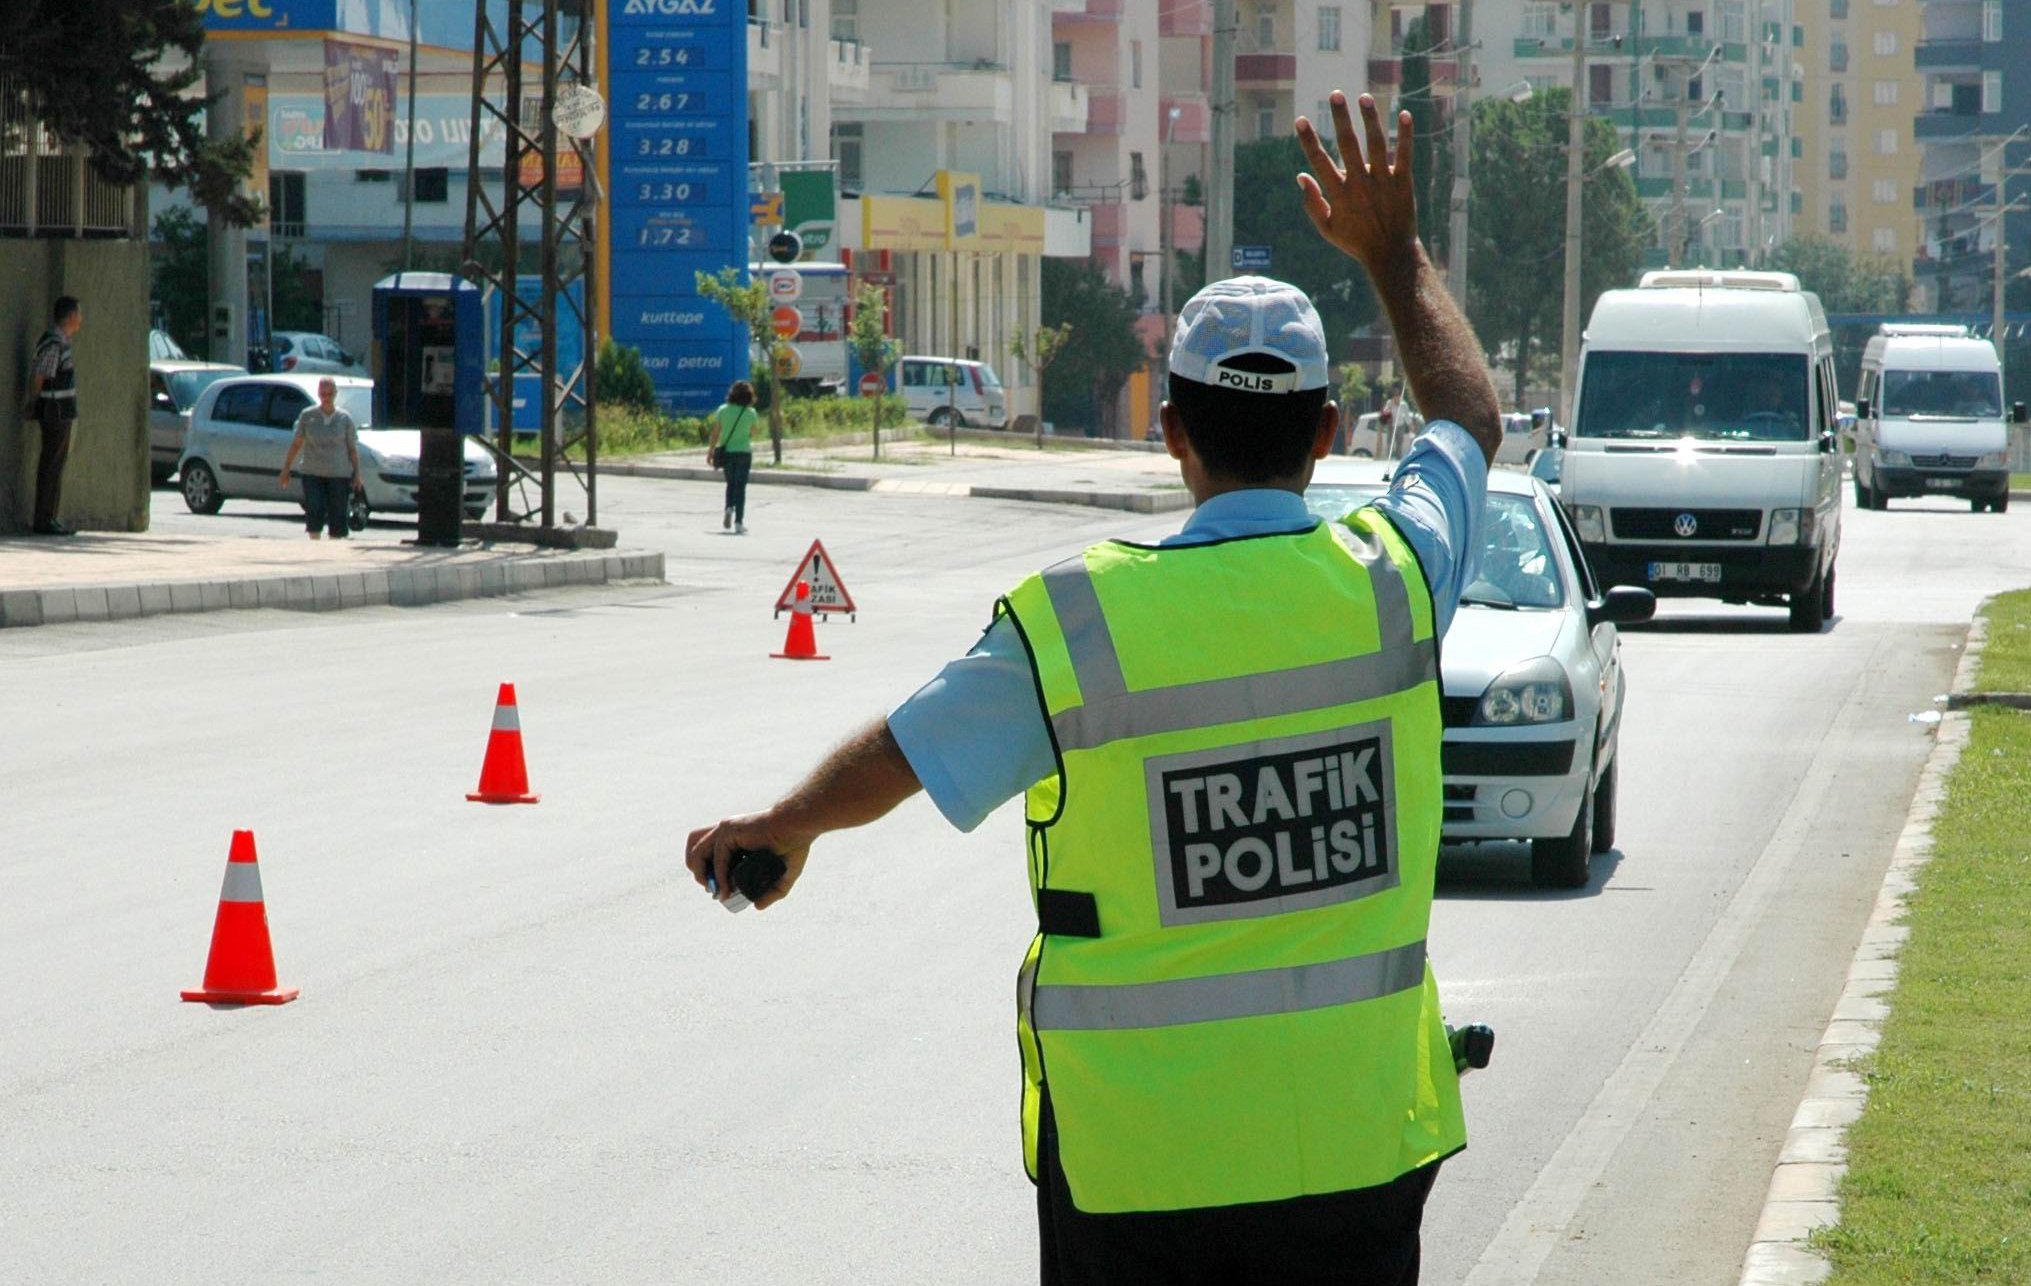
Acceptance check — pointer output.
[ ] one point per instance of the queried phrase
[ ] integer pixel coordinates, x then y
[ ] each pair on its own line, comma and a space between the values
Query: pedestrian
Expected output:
1235, 1068
53, 407
329, 443
732, 449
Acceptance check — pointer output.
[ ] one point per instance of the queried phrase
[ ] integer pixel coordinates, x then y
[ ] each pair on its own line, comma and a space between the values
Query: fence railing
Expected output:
49, 189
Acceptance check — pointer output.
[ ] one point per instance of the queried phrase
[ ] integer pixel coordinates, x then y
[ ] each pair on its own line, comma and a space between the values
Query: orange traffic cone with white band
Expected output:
241, 968
801, 644
504, 778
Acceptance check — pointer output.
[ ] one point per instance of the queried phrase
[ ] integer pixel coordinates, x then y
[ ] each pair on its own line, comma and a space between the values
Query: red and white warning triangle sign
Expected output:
828, 592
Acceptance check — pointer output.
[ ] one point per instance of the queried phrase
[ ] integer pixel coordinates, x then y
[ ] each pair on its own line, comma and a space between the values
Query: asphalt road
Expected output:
528, 1050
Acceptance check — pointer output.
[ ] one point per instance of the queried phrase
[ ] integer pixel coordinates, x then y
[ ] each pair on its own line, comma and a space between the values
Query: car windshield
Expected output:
1725, 396
1947, 394
184, 386
1516, 567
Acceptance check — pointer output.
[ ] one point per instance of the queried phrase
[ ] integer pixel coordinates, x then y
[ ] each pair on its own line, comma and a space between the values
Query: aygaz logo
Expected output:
1280, 826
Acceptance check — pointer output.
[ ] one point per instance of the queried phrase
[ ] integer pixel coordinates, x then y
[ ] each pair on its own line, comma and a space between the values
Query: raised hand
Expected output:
1368, 209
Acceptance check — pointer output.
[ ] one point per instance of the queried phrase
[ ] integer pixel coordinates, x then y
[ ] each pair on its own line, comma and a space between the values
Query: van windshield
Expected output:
1727, 396
985, 378
1946, 394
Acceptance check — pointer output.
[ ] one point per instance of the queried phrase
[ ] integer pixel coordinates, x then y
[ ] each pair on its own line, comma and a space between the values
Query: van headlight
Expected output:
1994, 460
1791, 526
1587, 521
1533, 693
1893, 459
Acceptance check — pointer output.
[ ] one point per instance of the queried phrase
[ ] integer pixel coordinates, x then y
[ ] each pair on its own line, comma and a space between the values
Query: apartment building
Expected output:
1705, 92
1290, 54
1858, 164
1973, 130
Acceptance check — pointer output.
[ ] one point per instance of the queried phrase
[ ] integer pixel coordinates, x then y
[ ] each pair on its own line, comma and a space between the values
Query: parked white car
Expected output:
302, 352
240, 432
1530, 675
173, 389
938, 390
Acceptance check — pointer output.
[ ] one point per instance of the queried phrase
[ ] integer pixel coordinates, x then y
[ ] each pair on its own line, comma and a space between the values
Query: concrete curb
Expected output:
325, 591
1142, 502
1804, 1188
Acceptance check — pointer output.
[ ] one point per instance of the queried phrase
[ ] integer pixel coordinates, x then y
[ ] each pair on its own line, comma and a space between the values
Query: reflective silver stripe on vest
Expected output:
507, 719
243, 883
1095, 663
1110, 712
55, 393
1232, 995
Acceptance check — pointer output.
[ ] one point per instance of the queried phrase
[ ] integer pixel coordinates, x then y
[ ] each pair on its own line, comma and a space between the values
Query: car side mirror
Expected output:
1826, 442
1862, 408
1622, 605
164, 402
2019, 413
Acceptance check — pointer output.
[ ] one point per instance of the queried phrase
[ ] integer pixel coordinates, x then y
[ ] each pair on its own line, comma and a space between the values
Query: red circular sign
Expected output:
785, 321
872, 385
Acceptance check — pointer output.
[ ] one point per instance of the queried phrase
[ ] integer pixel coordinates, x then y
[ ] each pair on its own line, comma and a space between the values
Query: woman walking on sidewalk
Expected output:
732, 449
329, 443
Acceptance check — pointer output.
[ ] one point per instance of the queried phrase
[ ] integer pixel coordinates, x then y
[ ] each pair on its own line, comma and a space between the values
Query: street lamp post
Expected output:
1166, 213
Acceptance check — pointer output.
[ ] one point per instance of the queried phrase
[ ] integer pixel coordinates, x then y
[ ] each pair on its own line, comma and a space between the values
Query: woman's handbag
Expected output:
715, 457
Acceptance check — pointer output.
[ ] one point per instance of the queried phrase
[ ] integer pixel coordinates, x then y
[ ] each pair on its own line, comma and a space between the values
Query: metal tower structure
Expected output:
532, 214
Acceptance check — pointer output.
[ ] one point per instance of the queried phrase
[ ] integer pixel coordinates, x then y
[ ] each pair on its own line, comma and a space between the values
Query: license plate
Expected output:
1708, 572
1942, 484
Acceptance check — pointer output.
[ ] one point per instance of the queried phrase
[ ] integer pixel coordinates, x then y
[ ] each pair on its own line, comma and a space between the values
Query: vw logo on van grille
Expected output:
1686, 526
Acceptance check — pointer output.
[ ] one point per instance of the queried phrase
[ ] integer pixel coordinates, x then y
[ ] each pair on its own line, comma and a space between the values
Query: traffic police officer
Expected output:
53, 406
1234, 1064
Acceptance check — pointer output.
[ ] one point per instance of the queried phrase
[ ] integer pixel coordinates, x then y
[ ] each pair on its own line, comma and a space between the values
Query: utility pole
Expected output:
1220, 189
409, 164
1677, 245
1576, 137
1463, 153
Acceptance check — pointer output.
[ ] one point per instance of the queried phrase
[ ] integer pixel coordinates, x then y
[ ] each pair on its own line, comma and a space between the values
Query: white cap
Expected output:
1250, 315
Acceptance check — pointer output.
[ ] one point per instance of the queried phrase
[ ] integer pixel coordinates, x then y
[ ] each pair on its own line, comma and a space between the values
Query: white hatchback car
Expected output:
302, 352
1530, 675
240, 431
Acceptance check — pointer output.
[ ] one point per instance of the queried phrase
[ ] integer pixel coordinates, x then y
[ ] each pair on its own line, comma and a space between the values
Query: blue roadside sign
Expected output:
678, 198
1251, 258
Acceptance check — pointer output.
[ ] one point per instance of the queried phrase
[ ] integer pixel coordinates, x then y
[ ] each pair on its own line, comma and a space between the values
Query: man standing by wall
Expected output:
53, 405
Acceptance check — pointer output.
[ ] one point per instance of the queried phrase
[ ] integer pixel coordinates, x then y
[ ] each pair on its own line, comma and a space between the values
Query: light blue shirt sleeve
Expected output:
1435, 497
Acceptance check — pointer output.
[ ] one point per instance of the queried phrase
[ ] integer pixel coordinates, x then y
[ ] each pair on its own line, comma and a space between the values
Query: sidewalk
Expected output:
102, 576
1135, 479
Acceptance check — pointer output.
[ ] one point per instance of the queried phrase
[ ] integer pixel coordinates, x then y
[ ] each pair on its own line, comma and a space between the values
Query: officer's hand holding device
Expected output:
744, 862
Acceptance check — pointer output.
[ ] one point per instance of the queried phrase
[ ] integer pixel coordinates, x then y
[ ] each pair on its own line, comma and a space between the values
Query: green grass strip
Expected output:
2006, 658
1938, 1187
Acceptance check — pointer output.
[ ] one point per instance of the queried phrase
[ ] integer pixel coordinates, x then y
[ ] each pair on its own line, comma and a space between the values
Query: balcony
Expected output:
1090, 11
1949, 55
1069, 107
1951, 195
1106, 110
1194, 119
765, 54
1265, 71
847, 72
1185, 18
1948, 127
968, 93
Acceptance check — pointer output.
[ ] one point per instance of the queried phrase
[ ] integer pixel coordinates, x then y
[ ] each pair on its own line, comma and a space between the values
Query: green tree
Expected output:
115, 76
181, 277
1092, 372
298, 291
873, 347
749, 305
1844, 281
1354, 391
1268, 212
1516, 264
1038, 352
621, 379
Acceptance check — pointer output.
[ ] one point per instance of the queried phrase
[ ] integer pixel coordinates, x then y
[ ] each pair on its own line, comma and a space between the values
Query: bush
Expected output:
622, 379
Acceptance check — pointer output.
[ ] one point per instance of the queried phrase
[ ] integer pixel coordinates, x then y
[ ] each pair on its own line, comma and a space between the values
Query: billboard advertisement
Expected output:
677, 148
359, 98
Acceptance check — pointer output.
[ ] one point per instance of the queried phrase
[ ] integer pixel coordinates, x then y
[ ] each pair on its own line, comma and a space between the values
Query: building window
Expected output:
1886, 142
285, 203
1837, 105
1884, 241
1061, 171
1992, 91
1837, 163
1885, 43
1837, 55
1696, 89
1265, 118
1138, 178
1837, 8
1265, 27
846, 19
1061, 60
1540, 20
1992, 21
433, 186
1837, 215
847, 139
1885, 93
1135, 64
1329, 28
1600, 85
1599, 22
1137, 290
1883, 192
1695, 22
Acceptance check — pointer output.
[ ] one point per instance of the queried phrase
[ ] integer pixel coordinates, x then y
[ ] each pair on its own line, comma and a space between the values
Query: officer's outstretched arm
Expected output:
858, 782
1369, 210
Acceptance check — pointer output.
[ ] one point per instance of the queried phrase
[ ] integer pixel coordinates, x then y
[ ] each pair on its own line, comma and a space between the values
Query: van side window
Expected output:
913, 375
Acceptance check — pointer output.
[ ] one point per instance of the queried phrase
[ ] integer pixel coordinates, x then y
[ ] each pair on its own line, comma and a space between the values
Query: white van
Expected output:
1929, 418
1701, 461
939, 389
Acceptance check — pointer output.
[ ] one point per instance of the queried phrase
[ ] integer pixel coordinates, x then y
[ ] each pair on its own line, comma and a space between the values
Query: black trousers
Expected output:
56, 448
1367, 1237
327, 502
737, 465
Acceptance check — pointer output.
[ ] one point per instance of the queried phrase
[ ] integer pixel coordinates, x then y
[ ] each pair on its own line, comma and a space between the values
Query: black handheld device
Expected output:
752, 876
1472, 1046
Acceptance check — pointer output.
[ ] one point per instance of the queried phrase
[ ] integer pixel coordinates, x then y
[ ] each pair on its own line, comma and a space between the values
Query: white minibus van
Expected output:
1701, 461
1929, 418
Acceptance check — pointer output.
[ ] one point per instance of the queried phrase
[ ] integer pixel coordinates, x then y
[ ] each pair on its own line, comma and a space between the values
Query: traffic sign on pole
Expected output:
873, 385
787, 363
1251, 258
785, 321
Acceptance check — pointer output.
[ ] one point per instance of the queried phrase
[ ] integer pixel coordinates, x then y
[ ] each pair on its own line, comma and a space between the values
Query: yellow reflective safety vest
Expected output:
1228, 1000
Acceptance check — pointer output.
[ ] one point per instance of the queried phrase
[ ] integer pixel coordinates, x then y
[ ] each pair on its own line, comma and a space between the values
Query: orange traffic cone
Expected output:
504, 778
241, 968
801, 644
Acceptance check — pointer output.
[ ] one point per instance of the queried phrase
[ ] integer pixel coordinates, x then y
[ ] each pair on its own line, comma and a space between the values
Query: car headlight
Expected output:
1534, 693
1791, 526
1994, 460
1894, 459
1587, 521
